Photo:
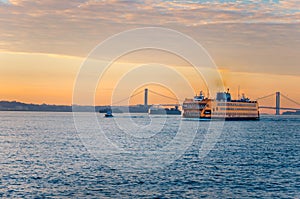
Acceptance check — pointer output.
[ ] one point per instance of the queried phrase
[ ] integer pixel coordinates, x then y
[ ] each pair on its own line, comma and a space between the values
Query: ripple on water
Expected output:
41, 155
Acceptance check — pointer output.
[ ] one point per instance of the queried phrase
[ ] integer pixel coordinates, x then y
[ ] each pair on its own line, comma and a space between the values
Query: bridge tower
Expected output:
146, 97
277, 103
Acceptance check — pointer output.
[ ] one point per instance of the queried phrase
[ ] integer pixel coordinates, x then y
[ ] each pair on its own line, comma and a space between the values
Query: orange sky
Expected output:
41, 78
43, 45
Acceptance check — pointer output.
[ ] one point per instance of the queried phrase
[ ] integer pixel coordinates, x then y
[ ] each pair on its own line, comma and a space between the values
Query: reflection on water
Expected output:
42, 155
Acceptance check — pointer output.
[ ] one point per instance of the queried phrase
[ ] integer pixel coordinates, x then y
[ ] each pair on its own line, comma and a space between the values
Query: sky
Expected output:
255, 44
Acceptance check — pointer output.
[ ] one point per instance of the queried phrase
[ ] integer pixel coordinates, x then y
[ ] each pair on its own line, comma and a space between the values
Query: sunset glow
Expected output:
43, 45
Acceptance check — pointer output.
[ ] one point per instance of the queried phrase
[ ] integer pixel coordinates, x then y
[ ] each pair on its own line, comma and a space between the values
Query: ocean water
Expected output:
42, 155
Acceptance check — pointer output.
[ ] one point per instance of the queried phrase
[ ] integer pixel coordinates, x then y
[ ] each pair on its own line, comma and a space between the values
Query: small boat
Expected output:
108, 114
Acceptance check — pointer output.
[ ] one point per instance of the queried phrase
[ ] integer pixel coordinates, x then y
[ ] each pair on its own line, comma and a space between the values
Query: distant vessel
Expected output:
291, 113
223, 107
104, 109
157, 110
108, 114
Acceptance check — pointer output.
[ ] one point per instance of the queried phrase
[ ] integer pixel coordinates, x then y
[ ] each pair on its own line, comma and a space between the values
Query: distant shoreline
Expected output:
20, 106
24, 107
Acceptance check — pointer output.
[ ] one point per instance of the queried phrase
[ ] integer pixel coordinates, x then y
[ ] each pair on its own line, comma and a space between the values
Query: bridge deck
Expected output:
261, 107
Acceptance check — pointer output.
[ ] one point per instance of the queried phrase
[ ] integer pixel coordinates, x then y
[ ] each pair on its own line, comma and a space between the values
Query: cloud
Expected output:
161, 12
233, 31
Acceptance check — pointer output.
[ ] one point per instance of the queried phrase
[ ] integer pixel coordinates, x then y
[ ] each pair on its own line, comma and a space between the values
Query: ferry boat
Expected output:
222, 107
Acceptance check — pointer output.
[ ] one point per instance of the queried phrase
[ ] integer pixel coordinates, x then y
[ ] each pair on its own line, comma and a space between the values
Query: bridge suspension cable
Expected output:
290, 99
165, 96
265, 96
127, 98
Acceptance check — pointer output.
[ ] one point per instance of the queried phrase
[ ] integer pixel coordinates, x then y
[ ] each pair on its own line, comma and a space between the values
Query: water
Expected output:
42, 155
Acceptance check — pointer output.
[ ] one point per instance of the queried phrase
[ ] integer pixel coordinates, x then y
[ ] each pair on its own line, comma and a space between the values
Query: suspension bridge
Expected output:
278, 100
273, 101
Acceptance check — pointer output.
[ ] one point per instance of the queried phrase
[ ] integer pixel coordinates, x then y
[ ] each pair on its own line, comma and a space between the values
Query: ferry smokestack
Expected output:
146, 98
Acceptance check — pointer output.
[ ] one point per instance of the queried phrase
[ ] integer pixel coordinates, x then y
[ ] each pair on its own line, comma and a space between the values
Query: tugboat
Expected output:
108, 114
